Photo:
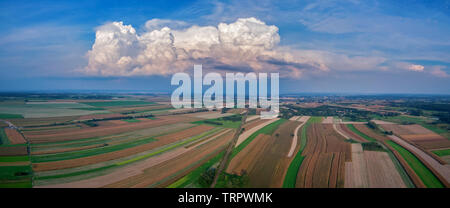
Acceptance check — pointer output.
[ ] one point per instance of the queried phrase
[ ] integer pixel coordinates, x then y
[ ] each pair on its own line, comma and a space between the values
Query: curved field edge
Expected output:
352, 128
427, 177
269, 129
291, 175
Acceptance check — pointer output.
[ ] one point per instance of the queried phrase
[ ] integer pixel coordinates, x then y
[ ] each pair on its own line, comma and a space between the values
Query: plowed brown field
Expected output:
14, 136
326, 152
265, 158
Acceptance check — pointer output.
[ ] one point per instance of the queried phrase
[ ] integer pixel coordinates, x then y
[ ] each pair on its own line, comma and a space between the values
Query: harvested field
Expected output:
267, 161
370, 133
406, 129
324, 144
13, 150
419, 135
14, 136
246, 134
125, 173
246, 158
294, 118
303, 118
162, 140
104, 131
349, 133
249, 125
328, 120
251, 118
381, 170
357, 175
338, 129
117, 122
379, 122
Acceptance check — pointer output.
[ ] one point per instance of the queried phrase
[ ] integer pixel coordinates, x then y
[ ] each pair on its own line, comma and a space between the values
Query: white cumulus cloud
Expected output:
248, 44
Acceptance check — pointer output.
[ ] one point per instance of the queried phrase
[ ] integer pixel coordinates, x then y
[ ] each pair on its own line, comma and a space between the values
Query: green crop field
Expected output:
14, 158
3, 138
15, 176
291, 175
6, 116
443, 152
132, 120
428, 178
315, 119
352, 128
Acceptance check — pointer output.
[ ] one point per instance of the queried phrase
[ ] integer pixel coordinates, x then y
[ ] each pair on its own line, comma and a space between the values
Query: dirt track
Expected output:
249, 132
295, 137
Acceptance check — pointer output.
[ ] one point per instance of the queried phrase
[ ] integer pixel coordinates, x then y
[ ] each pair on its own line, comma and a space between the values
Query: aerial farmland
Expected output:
125, 141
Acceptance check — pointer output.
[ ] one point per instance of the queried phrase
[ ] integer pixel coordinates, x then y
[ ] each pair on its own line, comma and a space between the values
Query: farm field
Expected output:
265, 158
418, 135
324, 157
427, 177
138, 141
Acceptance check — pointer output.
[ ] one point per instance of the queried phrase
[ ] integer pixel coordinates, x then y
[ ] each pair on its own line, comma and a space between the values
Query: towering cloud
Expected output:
245, 45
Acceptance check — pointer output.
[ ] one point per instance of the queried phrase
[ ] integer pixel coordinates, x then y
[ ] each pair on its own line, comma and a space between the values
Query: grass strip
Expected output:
291, 174
427, 177
356, 131
3, 138
14, 158
269, 129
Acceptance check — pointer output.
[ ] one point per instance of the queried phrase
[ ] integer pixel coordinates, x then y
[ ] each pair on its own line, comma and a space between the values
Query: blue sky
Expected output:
337, 46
